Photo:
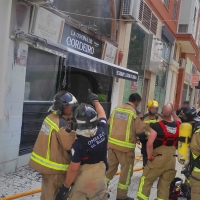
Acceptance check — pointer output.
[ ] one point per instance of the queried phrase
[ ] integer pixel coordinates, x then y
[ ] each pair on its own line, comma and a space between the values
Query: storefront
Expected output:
161, 84
61, 58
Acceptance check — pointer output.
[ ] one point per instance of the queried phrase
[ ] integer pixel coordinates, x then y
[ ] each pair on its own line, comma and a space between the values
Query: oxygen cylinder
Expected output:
184, 141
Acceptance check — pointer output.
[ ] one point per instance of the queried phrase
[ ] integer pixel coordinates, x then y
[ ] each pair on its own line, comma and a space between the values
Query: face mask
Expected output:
87, 133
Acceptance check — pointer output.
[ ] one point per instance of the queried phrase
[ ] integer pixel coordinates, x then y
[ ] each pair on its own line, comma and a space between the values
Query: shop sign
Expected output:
109, 54
195, 80
47, 25
80, 41
121, 73
134, 85
187, 77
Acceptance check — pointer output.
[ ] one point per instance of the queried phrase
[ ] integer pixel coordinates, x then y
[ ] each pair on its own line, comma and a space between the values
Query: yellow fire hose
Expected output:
23, 194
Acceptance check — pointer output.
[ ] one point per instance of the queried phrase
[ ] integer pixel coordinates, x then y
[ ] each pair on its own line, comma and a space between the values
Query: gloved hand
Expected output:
68, 130
62, 193
92, 97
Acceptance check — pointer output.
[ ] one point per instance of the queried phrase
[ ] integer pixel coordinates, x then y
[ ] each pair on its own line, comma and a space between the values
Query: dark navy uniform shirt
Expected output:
94, 149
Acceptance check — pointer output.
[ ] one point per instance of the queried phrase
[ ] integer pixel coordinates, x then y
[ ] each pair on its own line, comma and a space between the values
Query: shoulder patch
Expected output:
72, 152
121, 115
45, 128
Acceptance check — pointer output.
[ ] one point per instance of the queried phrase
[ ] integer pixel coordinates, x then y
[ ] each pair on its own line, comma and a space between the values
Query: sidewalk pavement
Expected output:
25, 179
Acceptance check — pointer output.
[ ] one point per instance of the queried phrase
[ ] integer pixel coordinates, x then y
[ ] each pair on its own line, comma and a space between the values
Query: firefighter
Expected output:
161, 149
190, 115
186, 104
88, 154
50, 155
151, 117
121, 142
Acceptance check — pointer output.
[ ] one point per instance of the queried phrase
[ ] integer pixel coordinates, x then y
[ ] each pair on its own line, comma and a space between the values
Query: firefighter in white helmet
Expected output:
51, 153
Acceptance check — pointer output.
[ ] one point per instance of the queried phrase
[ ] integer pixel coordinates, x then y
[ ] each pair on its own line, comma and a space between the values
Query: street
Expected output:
25, 179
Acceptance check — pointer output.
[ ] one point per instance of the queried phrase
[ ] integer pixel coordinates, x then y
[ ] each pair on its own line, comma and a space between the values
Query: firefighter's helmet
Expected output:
152, 103
63, 99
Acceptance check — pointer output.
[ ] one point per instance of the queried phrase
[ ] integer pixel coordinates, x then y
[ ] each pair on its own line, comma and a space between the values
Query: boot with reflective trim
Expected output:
127, 198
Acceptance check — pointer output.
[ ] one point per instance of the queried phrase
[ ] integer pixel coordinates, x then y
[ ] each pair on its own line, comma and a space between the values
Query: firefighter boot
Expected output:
127, 198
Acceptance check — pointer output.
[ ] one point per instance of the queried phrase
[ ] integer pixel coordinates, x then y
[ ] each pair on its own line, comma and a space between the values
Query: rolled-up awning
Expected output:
82, 61
77, 59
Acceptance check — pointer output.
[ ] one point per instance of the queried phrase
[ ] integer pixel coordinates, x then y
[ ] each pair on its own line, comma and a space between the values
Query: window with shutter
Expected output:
147, 18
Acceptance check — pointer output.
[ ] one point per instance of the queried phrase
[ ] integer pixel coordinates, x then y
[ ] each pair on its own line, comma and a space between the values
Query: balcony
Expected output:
187, 26
187, 42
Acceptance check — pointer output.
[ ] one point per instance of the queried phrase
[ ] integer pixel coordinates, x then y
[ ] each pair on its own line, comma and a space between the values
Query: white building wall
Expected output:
12, 86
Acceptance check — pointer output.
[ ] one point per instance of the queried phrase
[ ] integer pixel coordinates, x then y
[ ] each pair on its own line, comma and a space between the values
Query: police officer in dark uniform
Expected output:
88, 154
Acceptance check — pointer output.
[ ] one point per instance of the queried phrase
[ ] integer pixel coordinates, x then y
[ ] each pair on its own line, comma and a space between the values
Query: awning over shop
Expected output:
168, 35
77, 59
82, 61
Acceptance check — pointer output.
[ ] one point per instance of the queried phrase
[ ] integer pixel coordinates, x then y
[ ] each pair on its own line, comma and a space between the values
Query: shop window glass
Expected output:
184, 95
41, 75
81, 80
83, 10
135, 61
162, 75
132, 87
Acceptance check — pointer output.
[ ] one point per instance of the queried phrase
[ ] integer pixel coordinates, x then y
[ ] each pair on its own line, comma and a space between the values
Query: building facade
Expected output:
48, 48
68, 45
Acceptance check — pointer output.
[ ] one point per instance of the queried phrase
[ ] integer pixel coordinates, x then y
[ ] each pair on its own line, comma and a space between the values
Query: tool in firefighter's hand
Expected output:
62, 194
184, 141
92, 97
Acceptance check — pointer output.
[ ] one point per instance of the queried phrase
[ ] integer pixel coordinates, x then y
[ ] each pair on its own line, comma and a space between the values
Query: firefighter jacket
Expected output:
124, 122
51, 153
195, 148
148, 120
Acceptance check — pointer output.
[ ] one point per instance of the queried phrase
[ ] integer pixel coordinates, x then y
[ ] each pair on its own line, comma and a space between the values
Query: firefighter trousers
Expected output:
162, 167
126, 160
195, 185
51, 184
90, 183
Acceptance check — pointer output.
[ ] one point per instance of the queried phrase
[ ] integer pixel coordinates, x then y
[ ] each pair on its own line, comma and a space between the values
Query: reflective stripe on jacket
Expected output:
49, 155
122, 135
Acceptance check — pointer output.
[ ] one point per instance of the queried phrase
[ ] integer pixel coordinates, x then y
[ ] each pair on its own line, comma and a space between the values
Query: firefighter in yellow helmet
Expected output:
51, 153
150, 118
122, 139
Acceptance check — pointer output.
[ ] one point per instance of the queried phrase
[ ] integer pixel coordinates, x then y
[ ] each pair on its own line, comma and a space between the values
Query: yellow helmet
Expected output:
152, 103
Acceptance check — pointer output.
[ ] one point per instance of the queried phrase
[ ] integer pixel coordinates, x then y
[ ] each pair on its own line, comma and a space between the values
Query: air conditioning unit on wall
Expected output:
130, 10
41, 2
182, 63
127, 9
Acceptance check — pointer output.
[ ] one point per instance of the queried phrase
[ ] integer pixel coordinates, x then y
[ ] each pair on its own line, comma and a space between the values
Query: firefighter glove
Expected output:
62, 192
92, 97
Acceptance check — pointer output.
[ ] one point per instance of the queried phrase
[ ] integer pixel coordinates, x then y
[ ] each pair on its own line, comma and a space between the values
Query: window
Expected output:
183, 28
175, 9
148, 19
166, 2
195, 14
41, 76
